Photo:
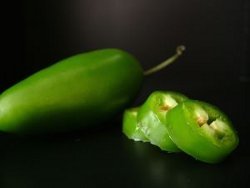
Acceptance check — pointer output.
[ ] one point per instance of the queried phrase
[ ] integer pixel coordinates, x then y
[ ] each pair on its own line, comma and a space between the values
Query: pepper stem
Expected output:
179, 50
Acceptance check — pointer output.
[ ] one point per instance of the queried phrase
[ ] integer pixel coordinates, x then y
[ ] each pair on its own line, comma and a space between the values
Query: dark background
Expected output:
214, 68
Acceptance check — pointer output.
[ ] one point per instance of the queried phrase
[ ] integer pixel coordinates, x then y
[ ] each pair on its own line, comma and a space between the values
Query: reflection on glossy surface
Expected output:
179, 170
107, 158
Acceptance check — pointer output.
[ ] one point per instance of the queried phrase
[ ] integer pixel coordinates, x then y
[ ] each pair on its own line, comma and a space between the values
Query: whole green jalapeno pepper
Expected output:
130, 125
151, 118
78, 92
201, 130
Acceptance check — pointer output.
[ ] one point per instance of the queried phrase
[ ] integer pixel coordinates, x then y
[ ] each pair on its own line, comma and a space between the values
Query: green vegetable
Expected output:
201, 130
130, 125
78, 92
151, 118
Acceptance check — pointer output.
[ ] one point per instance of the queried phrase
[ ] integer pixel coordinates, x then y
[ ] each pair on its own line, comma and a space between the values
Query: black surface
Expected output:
215, 68
108, 158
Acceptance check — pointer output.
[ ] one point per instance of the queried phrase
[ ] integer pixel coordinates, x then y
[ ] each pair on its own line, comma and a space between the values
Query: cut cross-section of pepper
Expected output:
201, 130
151, 118
130, 126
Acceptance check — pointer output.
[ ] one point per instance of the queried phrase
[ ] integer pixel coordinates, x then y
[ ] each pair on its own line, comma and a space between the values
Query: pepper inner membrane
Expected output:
166, 103
212, 126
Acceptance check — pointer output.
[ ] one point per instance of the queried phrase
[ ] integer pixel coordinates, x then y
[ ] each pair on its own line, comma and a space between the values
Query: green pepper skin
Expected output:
81, 91
151, 118
201, 130
130, 125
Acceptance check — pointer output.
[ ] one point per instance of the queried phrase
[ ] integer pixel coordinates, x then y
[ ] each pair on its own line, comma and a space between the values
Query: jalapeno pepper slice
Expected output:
130, 126
201, 130
151, 118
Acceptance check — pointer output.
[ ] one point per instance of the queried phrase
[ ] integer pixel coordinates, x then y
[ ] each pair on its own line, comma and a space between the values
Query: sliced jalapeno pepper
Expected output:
130, 126
201, 130
151, 118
